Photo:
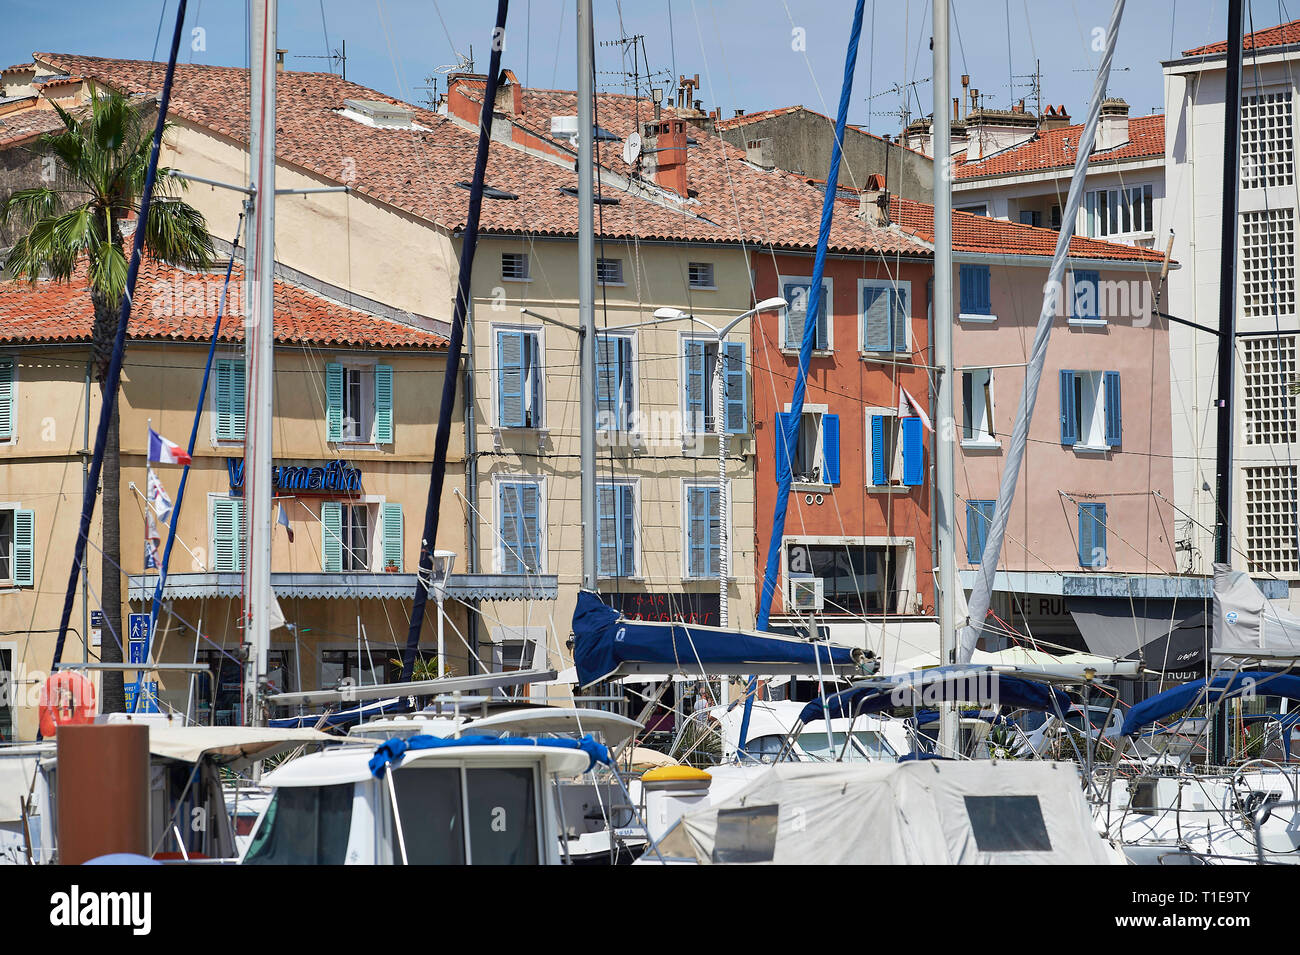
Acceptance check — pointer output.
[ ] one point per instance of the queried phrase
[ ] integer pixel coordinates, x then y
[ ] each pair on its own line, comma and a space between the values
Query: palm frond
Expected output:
29, 206
178, 233
108, 268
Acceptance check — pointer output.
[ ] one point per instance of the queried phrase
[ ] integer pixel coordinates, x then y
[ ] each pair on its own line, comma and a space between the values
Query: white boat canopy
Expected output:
229, 745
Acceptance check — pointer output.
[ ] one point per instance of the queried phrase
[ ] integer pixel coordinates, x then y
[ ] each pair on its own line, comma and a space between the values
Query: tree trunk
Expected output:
112, 697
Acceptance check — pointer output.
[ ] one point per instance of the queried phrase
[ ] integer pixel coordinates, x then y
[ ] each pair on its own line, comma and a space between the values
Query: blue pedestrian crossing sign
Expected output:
137, 637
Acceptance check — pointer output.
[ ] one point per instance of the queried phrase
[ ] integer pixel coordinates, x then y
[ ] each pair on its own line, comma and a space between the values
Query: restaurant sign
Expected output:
333, 478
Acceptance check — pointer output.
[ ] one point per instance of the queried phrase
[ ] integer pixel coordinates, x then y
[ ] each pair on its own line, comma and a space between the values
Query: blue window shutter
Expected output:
1092, 535
782, 453
510, 379
510, 529
697, 529
1086, 288
391, 518
975, 291
1114, 420
831, 447
978, 516
913, 452
627, 531
898, 305
736, 384
331, 518
1099, 534
333, 401
530, 496
695, 386
535, 393
823, 342
24, 559
383, 404
1069, 414
626, 382
966, 282
797, 295
878, 450
876, 334
607, 525
6, 399
713, 502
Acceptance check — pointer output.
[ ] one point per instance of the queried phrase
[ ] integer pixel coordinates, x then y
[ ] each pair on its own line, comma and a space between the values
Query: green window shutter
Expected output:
228, 547
24, 548
383, 404
229, 399
333, 402
331, 518
391, 516
7, 416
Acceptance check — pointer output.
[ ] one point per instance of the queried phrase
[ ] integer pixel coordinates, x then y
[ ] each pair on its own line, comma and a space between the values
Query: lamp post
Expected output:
443, 561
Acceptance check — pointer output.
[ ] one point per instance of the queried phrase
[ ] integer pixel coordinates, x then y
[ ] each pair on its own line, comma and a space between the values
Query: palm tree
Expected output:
80, 219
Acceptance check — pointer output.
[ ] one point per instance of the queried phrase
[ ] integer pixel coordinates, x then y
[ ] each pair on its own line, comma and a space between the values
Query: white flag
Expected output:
908, 408
158, 499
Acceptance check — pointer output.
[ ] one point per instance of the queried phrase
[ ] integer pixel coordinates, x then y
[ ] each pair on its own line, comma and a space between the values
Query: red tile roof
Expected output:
972, 233
1057, 148
23, 125
1284, 34
172, 304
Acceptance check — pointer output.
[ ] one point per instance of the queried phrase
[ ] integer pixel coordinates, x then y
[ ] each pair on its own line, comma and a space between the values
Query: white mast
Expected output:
587, 294
259, 261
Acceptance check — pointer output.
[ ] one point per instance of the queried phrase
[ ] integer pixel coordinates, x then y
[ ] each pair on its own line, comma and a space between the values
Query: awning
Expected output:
228, 745
324, 586
1115, 628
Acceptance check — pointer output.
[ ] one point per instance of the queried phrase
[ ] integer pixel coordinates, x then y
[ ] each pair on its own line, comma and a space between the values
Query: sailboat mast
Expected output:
259, 261
942, 318
587, 292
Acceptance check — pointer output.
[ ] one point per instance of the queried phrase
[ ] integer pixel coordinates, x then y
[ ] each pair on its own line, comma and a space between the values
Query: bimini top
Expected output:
1179, 698
607, 645
950, 684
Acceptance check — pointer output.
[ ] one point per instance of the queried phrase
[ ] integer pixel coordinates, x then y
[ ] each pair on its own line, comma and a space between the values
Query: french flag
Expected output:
162, 451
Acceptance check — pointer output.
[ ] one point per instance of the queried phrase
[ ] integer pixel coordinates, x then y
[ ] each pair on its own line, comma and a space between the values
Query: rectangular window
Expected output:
814, 456
359, 403
1112, 212
609, 271
798, 293
979, 518
1091, 415
514, 266
1092, 535
976, 291
1031, 217
700, 275
229, 539
345, 537
520, 525
1085, 289
896, 449
884, 307
615, 382
1270, 369
616, 530
1268, 263
977, 406
703, 532
7, 694
228, 400
363, 668
856, 578
1267, 141
8, 397
17, 547
520, 379
699, 392
1271, 528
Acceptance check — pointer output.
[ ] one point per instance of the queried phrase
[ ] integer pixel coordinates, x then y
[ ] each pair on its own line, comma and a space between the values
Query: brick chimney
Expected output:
873, 202
1112, 128
510, 96
1054, 117
664, 149
460, 87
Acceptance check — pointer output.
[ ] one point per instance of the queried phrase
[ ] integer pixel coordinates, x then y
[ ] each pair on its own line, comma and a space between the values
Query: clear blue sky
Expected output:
744, 50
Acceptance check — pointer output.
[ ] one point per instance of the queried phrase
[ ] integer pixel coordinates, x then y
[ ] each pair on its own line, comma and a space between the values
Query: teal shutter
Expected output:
383, 404
913, 451
831, 447
333, 401
979, 517
228, 547
331, 518
1069, 413
7, 415
1114, 421
735, 388
780, 434
24, 563
878, 450
876, 334
391, 518
898, 305
229, 398
510, 379
696, 386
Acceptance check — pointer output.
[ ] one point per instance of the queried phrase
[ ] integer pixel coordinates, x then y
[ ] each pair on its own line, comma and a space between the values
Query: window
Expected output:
615, 382
897, 449
520, 525
17, 547
304, 825
1270, 368
359, 403
1090, 409
616, 530
980, 209
856, 578
433, 821
514, 266
798, 292
1271, 528
1085, 301
1056, 217
977, 407
502, 815
228, 400
498, 814
814, 457
1007, 824
348, 537
520, 397
703, 532
700, 359
1031, 217
609, 271
229, 540
700, 275
1266, 140
7, 695
361, 668
884, 307
976, 294
1119, 211
1092, 535
979, 518
8, 398
1268, 263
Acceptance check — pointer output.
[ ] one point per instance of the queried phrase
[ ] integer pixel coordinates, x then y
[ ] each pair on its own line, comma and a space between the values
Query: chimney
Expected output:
510, 96
1054, 117
1112, 129
965, 85
873, 203
740, 112
464, 96
956, 110
664, 149
990, 131
280, 57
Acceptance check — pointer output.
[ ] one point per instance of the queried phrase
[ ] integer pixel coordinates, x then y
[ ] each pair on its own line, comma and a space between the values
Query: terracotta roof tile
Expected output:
1057, 148
19, 127
1284, 34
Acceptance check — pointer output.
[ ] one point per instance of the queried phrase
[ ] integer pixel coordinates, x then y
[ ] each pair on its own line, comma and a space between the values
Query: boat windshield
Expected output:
304, 825
867, 745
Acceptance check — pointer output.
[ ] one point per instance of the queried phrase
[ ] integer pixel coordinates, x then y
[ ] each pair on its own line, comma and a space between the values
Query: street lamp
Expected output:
443, 562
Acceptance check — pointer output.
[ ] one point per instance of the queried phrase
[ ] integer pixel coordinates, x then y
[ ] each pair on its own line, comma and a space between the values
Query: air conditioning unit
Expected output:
807, 593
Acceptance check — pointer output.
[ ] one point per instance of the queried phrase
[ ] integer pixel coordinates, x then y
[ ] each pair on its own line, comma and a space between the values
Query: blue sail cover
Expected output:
956, 684
1179, 698
343, 718
392, 751
603, 641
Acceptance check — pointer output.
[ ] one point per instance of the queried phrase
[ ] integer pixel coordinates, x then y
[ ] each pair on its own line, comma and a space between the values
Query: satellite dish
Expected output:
632, 149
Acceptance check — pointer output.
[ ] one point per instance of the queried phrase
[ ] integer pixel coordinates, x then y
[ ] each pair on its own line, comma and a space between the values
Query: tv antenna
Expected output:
336, 57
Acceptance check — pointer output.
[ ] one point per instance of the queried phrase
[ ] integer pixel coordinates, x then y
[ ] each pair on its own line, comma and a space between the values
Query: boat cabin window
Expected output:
433, 823
1007, 824
765, 749
503, 826
304, 825
867, 745
502, 816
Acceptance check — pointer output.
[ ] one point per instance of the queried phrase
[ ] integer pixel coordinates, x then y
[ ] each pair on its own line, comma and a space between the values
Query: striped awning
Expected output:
322, 586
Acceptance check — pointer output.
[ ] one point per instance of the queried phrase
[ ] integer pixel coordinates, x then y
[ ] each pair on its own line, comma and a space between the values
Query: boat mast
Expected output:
587, 293
942, 318
259, 261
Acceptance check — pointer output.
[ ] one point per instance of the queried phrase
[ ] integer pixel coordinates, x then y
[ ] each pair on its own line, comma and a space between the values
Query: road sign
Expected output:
96, 627
148, 697
137, 637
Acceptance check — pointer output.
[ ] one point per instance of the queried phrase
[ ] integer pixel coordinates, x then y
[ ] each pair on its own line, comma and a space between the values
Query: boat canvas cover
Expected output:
1247, 684
913, 813
604, 641
1246, 624
228, 745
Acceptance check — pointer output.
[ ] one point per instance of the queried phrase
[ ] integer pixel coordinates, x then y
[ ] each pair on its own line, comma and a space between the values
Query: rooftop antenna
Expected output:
337, 57
463, 64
